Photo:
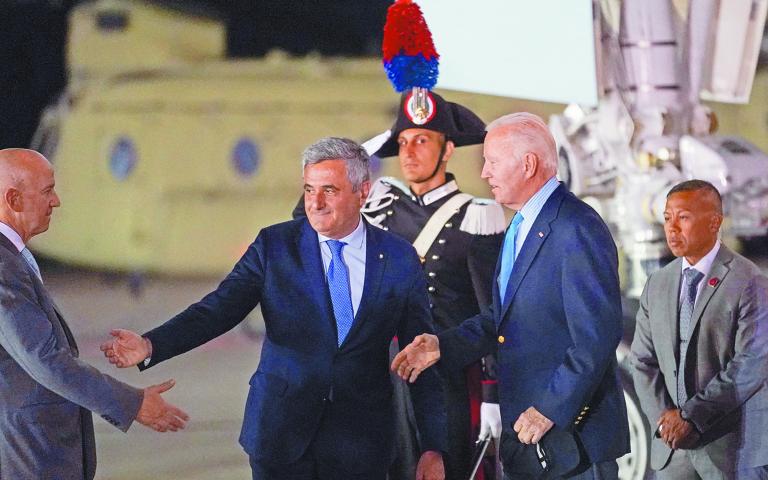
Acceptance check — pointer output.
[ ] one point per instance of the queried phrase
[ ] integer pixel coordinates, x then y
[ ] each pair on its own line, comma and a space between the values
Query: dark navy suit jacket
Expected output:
558, 329
306, 387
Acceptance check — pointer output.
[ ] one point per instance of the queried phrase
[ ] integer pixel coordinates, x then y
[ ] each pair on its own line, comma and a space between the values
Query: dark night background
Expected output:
33, 35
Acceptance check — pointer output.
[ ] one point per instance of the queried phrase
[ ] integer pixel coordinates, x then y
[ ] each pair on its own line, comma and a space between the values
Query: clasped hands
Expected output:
127, 349
675, 431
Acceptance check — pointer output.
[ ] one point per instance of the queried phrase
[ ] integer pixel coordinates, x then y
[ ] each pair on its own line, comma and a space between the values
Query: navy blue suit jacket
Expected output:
558, 329
306, 387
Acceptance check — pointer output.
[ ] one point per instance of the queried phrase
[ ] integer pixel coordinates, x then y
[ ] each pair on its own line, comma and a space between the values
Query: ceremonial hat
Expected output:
456, 122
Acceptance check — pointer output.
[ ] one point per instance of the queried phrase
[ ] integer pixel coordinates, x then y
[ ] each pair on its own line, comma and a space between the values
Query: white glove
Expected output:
490, 420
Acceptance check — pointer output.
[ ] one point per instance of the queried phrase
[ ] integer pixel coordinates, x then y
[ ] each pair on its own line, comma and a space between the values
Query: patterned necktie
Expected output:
31, 262
691, 279
508, 255
338, 284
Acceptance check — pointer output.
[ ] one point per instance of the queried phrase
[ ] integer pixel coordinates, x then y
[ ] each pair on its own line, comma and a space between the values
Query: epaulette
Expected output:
382, 196
483, 217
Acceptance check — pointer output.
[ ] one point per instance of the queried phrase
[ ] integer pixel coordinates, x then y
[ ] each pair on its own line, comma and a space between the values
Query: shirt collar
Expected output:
354, 239
11, 234
705, 264
530, 210
436, 194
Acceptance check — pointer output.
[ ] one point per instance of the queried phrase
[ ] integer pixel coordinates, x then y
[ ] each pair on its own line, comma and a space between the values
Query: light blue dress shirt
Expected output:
354, 258
531, 210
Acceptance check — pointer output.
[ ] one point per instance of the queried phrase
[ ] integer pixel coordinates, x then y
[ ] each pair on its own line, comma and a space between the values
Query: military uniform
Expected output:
459, 268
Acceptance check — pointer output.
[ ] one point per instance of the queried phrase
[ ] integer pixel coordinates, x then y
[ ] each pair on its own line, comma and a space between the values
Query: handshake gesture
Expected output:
127, 349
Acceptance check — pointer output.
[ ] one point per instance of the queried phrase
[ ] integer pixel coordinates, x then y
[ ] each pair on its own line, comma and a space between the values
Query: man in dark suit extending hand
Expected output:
334, 291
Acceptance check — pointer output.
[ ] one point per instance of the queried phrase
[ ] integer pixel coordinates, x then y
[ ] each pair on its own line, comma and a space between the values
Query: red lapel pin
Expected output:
714, 281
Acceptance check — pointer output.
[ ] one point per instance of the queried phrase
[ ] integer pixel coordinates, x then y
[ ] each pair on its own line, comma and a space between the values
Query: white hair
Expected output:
535, 136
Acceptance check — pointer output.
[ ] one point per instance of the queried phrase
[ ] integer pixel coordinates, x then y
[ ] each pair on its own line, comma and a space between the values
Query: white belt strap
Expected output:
436, 222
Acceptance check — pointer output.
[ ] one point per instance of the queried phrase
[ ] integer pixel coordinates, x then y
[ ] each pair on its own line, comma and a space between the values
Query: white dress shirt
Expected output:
354, 258
11, 235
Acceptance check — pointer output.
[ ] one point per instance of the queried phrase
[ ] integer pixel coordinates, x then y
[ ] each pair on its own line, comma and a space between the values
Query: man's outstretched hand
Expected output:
126, 348
158, 414
421, 354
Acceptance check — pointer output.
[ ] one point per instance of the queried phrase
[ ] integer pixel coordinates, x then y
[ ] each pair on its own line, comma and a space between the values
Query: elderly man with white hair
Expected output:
555, 320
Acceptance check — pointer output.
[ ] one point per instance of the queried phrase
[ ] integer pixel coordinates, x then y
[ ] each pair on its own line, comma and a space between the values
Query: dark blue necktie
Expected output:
508, 255
338, 284
691, 279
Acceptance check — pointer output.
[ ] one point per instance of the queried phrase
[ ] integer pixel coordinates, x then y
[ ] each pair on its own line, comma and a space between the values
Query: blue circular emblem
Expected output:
246, 157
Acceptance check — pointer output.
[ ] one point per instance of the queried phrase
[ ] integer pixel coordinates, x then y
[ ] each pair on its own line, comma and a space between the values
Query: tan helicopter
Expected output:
171, 157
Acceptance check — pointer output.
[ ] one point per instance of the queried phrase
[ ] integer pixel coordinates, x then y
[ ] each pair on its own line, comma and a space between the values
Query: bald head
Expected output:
28, 192
520, 156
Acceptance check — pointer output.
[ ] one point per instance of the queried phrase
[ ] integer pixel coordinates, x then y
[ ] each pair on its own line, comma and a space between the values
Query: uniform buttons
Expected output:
448, 225
441, 241
385, 228
501, 338
432, 274
435, 257
397, 197
431, 289
390, 212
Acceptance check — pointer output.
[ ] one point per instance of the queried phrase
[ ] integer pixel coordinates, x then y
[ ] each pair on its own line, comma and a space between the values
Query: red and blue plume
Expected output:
410, 58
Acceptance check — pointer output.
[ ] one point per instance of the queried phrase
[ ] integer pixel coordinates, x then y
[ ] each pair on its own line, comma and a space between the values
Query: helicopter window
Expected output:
112, 20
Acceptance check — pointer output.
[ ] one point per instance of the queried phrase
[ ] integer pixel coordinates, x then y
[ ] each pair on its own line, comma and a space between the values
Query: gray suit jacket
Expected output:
726, 366
46, 392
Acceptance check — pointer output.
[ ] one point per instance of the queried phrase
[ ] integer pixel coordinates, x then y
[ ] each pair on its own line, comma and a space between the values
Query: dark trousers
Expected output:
458, 459
597, 471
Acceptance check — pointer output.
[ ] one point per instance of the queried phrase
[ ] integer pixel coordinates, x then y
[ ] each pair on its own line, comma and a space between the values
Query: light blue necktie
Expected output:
691, 279
338, 284
508, 255
31, 262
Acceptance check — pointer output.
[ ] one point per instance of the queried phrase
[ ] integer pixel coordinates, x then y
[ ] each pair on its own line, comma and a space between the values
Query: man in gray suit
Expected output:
46, 392
700, 352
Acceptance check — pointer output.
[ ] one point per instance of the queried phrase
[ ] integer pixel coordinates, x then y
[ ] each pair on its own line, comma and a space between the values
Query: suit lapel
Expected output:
531, 246
719, 270
671, 304
40, 288
375, 264
314, 274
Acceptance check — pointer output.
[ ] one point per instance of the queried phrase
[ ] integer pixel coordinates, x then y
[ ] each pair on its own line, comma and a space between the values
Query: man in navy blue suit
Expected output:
334, 291
555, 321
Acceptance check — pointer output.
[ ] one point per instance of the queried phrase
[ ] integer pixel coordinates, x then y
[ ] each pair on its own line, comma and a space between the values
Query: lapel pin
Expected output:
714, 281
541, 234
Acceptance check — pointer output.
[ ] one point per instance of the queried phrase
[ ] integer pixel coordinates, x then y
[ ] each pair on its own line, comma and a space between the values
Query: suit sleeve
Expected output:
427, 392
646, 373
217, 313
468, 342
747, 371
28, 336
592, 308
481, 263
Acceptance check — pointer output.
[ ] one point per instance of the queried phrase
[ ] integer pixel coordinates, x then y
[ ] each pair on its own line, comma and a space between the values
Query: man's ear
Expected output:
715, 222
449, 148
365, 187
530, 164
14, 199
